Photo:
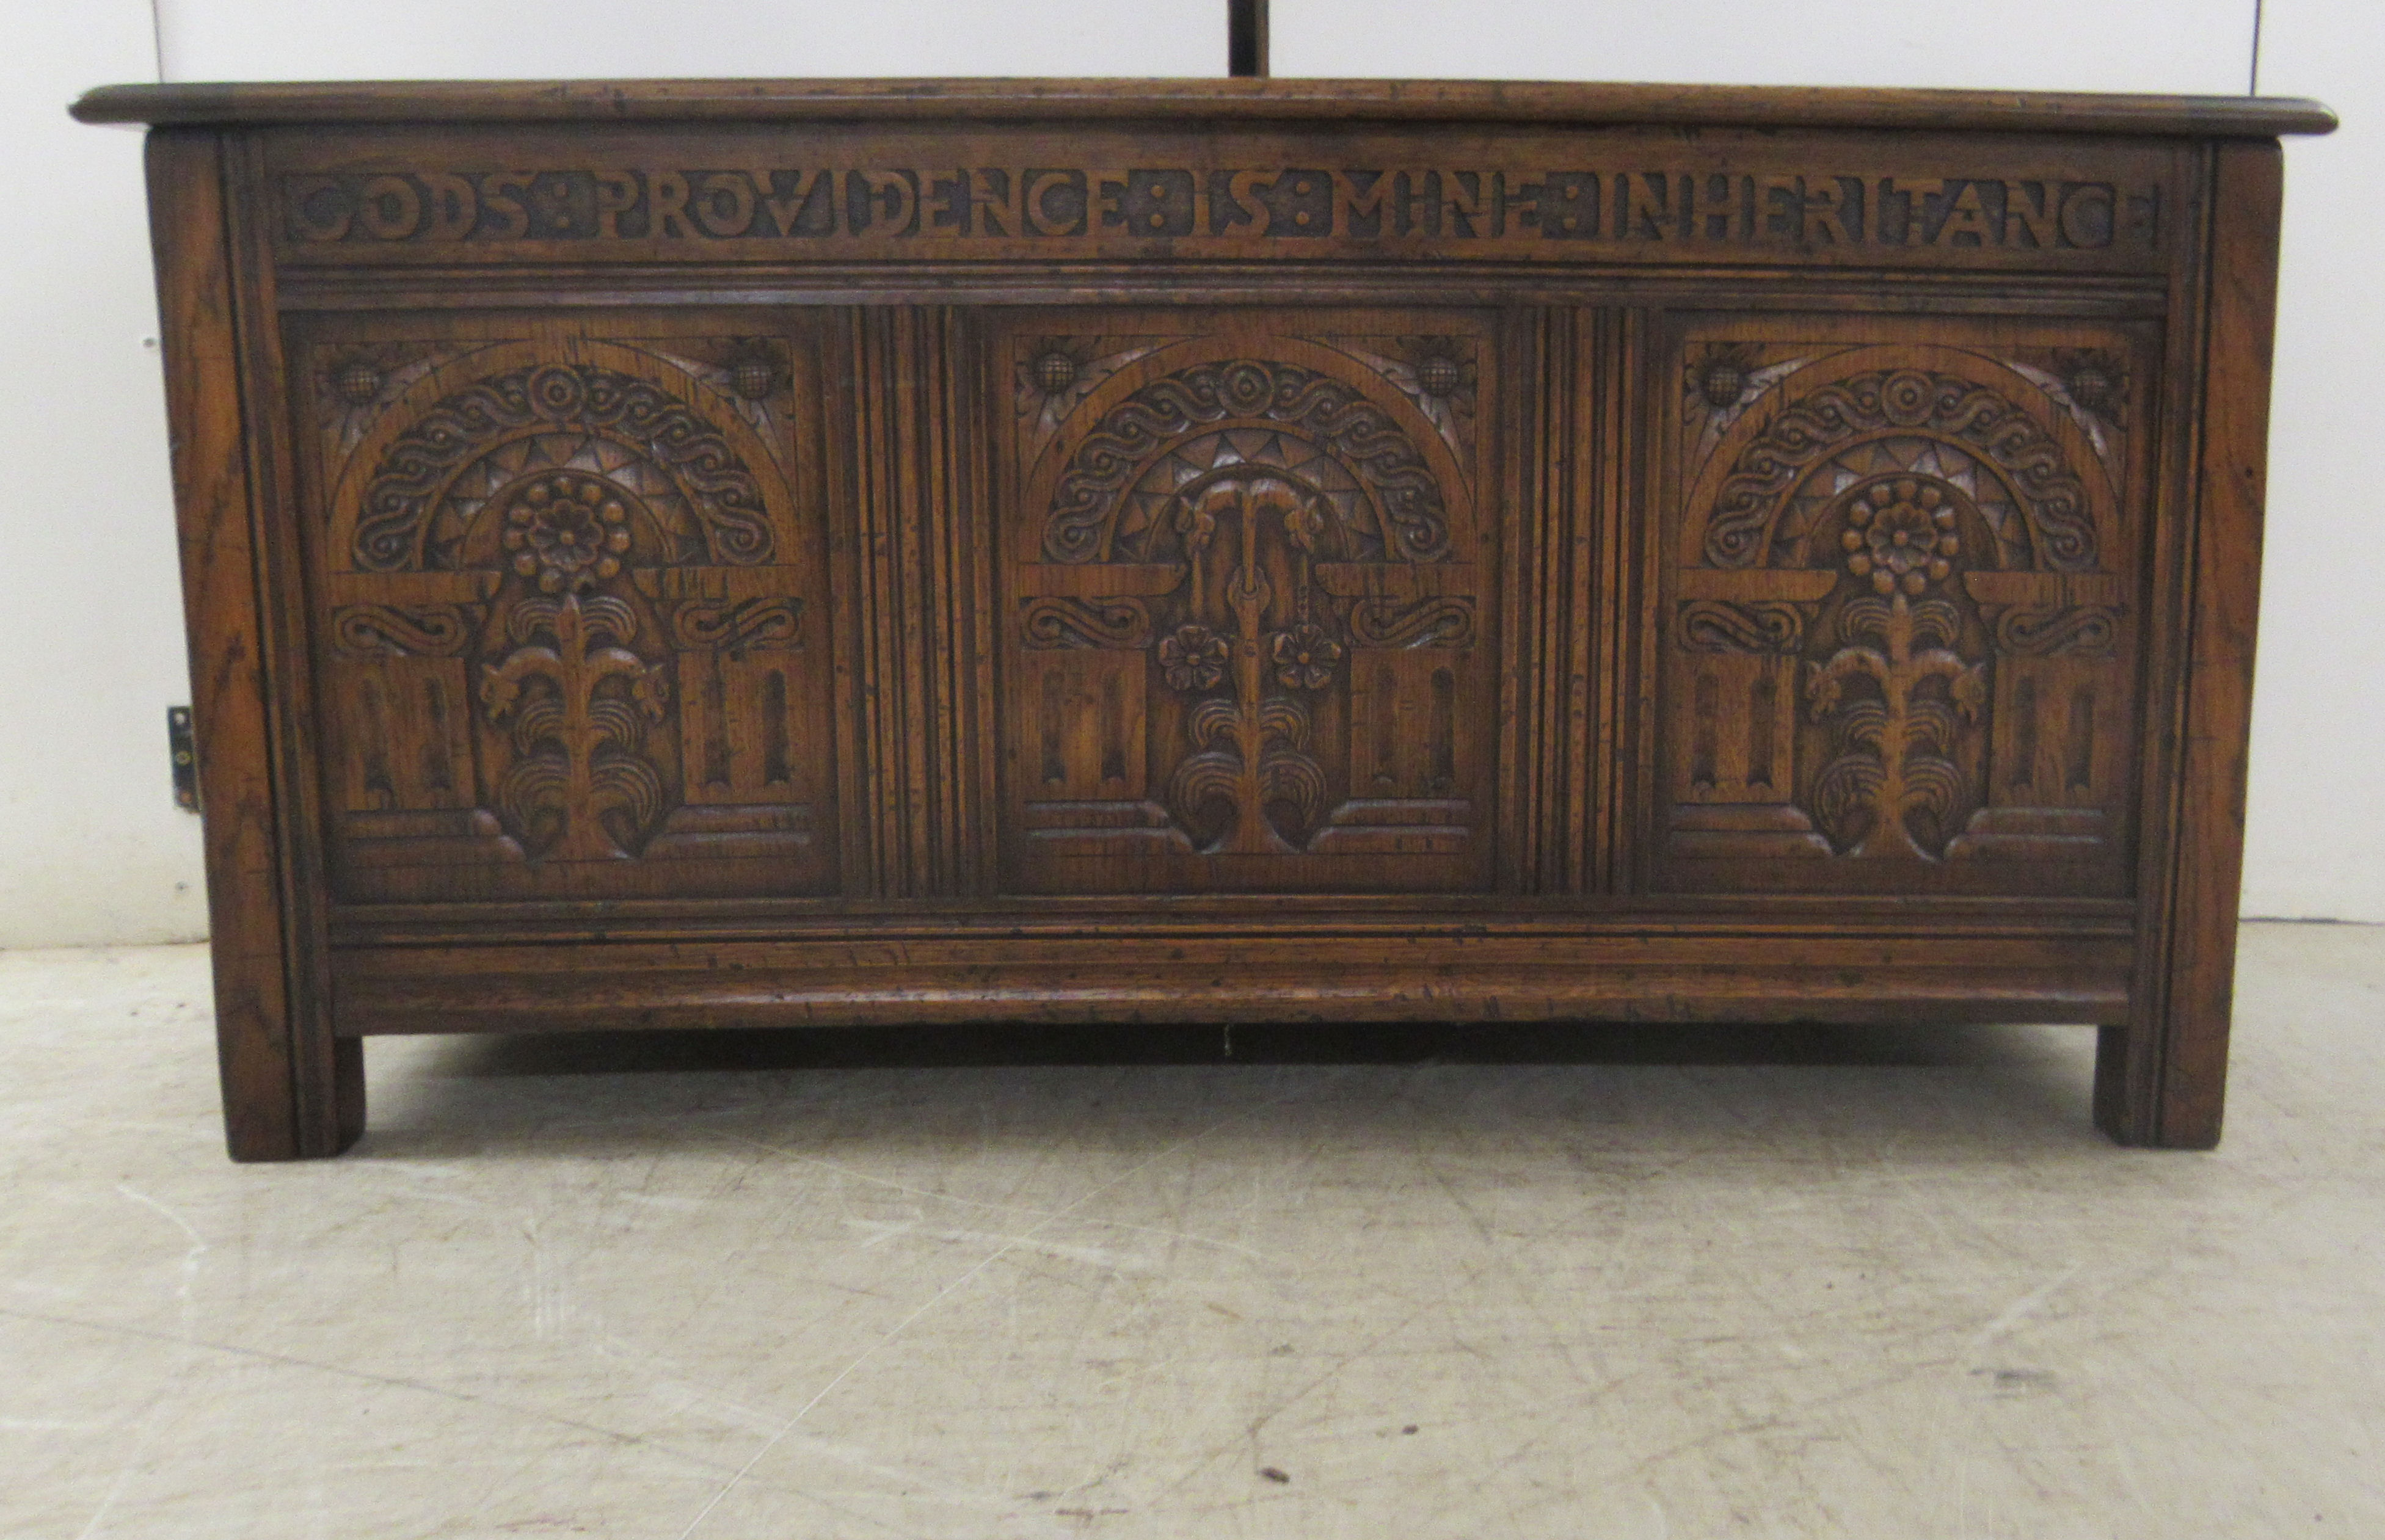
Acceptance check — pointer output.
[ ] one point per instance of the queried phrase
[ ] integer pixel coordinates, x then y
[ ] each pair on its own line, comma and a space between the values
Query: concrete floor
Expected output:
1848, 1285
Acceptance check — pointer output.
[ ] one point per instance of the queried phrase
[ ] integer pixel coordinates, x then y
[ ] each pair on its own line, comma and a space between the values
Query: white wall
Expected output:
90, 847
2182, 45
280, 40
2315, 842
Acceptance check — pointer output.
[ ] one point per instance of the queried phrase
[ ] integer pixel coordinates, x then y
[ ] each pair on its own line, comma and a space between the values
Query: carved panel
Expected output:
1250, 613
571, 638
1897, 652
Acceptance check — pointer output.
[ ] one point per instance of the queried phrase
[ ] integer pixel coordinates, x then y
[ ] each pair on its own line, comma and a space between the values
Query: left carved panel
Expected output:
570, 621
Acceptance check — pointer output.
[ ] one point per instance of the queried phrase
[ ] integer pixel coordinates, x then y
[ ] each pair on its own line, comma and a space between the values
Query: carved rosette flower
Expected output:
1305, 656
567, 532
1443, 369
357, 380
1053, 366
2096, 380
1900, 535
755, 369
1720, 377
1193, 657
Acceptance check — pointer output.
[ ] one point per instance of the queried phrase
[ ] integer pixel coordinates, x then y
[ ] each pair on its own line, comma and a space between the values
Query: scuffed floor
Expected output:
747, 1287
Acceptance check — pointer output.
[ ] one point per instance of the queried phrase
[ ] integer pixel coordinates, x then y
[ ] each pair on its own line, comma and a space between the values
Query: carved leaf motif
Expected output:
580, 703
1895, 745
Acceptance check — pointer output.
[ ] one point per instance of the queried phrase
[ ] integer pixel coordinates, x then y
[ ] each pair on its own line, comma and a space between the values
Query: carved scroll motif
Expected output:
1060, 622
736, 627
425, 632
2043, 633
1710, 625
1431, 622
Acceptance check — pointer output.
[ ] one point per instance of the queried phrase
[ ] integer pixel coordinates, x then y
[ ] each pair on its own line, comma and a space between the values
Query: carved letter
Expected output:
1711, 209
724, 204
455, 207
1644, 207
617, 194
1822, 213
787, 212
667, 210
2087, 214
390, 208
886, 202
304, 193
1070, 213
496, 190
1966, 216
1918, 194
2029, 209
1461, 203
997, 204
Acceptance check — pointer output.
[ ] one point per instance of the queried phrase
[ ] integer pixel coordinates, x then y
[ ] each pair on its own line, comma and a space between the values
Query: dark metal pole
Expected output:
1246, 37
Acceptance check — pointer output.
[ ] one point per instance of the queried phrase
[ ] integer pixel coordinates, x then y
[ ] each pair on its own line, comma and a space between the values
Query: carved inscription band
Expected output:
1280, 208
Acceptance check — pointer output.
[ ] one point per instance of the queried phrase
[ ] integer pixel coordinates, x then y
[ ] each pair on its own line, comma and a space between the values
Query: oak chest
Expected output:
678, 554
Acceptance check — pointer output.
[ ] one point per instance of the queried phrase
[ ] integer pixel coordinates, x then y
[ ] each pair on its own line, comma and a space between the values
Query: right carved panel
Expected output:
1897, 623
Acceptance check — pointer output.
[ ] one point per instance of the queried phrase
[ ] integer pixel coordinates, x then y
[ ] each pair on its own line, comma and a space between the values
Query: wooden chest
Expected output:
689, 553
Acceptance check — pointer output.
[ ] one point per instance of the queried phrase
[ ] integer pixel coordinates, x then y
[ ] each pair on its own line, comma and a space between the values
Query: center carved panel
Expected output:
1248, 642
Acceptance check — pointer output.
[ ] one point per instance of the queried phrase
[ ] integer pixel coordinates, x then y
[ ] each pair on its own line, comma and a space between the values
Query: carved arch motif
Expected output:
1387, 495
434, 479
1931, 405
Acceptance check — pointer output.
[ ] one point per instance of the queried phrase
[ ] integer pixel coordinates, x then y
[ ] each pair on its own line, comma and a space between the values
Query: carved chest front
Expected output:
784, 552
